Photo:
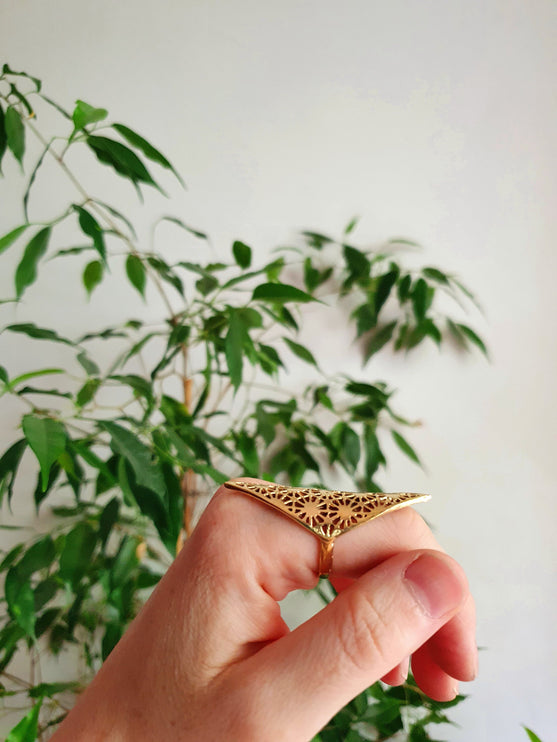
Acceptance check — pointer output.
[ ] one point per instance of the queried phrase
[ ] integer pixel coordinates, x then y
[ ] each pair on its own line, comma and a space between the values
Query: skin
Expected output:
209, 656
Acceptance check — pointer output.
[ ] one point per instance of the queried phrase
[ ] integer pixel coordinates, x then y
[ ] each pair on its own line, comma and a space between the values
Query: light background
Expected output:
434, 120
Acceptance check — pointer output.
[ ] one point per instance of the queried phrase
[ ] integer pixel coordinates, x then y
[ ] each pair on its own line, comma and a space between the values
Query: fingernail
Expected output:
434, 585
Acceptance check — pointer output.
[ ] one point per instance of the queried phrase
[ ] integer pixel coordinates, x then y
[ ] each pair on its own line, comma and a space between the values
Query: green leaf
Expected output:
379, 340
148, 150
47, 439
121, 159
38, 333
351, 225
384, 286
436, 275
8, 239
26, 272
137, 454
3, 136
280, 293
90, 226
20, 600
15, 133
6, 70
84, 114
77, 552
180, 223
301, 351
9, 464
531, 735
87, 364
39, 556
92, 275
112, 635
473, 337
26, 730
357, 263
374, 457
51, 689
125, 561
419, 299
151, 505
87, 392
206, 284
405, 447
136, 273
33, 375
4, 375
403, 288
242, 254
350, 444
108, 518
234, 348
315, 239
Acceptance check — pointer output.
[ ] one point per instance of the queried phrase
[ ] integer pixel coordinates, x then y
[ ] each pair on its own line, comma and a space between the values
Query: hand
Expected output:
210, 658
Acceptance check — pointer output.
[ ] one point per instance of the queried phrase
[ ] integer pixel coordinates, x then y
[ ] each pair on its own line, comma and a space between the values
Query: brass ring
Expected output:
326, 513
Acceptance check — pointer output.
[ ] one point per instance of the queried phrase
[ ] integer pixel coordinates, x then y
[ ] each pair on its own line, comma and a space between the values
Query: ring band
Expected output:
326, 513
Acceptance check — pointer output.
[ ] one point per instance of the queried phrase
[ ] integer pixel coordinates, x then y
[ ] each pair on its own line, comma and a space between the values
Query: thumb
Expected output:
304, 678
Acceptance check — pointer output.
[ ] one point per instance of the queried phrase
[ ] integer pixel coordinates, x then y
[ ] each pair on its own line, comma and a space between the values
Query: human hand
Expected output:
209, 656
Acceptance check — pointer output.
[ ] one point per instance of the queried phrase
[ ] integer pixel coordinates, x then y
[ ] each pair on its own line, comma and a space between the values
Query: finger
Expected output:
399, 674
243, 557
434, 682
370, 628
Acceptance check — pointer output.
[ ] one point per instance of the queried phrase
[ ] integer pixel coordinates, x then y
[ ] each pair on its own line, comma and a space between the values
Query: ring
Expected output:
326, 513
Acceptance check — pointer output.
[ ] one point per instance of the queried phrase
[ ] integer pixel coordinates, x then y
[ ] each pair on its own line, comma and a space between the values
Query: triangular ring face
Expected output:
326, 513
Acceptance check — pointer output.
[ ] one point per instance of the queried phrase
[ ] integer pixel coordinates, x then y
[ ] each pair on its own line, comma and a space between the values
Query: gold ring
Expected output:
326, 513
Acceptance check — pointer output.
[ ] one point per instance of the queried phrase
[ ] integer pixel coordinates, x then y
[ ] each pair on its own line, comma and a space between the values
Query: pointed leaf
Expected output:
20, 600
26, 272
139, 456
3, 137
92, 275
144, 146
9, 464
26, 730
136, 273
473, 337
180, 223
531, 735
436, 275
90, 226
419, 299
351, 225
47, 439
121, 158
39, 556
77, 552
405, 447
242, 254
379, 339
234, 349
11, 237
15, 133
38, 333
280, 293
90, 366
301, 352
85, 114
33, 375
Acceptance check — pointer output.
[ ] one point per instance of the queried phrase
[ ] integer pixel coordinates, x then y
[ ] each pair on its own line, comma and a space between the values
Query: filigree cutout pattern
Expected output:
326, 513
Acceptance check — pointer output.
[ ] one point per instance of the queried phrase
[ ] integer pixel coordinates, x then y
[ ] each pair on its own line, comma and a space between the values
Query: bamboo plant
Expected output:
126, 450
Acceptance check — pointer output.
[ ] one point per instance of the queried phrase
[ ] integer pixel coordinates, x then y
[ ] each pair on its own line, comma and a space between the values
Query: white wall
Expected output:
434, 120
